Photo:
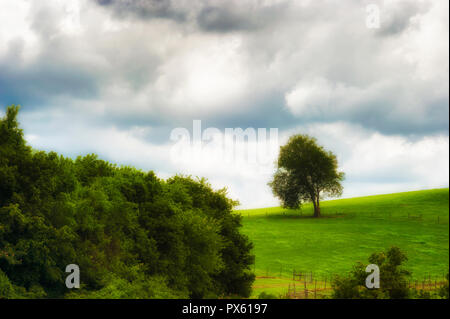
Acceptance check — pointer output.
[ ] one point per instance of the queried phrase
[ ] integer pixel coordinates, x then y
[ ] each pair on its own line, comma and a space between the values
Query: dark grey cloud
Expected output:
40, 82
145, 9
399, 16
209, 16
132, 74
65, 70
224, 20
231, 17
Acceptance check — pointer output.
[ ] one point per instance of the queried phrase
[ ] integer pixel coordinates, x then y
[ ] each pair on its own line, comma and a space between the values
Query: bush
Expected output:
265, 295
444, 291
393, 278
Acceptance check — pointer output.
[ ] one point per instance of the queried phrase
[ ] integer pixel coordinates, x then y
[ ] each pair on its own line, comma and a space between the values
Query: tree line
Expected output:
132, 234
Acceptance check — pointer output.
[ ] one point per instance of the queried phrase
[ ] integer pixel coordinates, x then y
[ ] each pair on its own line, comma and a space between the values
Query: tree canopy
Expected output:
393, 278
132, 234
306, 172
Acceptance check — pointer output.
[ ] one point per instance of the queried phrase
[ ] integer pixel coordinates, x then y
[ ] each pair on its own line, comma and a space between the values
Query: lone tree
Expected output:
306, 172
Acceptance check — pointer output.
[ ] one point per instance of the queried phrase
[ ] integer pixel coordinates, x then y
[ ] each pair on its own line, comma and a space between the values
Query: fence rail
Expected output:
420, 217
307, 285
314, 289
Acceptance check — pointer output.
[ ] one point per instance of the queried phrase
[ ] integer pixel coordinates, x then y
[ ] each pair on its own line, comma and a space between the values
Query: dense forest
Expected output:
132, 234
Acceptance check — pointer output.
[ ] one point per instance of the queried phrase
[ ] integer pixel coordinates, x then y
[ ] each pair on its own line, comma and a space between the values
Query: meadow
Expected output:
349, 231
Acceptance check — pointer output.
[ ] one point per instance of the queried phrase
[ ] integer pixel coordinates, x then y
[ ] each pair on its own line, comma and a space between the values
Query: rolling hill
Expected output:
349, 231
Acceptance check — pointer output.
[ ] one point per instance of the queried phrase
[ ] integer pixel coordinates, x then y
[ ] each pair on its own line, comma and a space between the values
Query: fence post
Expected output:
315, 289
306, 290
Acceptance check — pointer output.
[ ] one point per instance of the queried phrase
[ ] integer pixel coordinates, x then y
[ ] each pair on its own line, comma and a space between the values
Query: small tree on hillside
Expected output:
306, 172
393, 278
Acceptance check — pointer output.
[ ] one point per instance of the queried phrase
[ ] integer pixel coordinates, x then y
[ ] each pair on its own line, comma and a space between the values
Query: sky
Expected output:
125, 79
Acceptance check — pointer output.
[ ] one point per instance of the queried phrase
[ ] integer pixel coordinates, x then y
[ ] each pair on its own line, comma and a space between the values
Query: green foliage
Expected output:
235, 276
10, 291
133, 285
393, 278
306, 172
132, 234
265, 295
6, 288
444, 291
286, 187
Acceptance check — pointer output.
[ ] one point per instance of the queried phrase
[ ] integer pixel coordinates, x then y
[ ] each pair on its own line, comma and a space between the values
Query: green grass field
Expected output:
349, 231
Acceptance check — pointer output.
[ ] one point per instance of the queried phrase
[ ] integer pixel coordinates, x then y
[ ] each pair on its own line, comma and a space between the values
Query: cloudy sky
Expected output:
116, 77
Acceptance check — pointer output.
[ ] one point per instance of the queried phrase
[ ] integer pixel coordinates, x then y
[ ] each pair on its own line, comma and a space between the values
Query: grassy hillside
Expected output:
349, 231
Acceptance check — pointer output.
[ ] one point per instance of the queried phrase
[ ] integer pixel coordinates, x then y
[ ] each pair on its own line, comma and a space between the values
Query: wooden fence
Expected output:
305, 286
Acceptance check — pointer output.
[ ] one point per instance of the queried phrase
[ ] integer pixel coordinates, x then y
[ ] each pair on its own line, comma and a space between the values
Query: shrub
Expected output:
265, 295
393, 278
444, 291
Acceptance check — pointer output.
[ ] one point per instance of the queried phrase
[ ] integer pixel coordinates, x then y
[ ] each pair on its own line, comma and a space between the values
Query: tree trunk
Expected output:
316, 208
315, 197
